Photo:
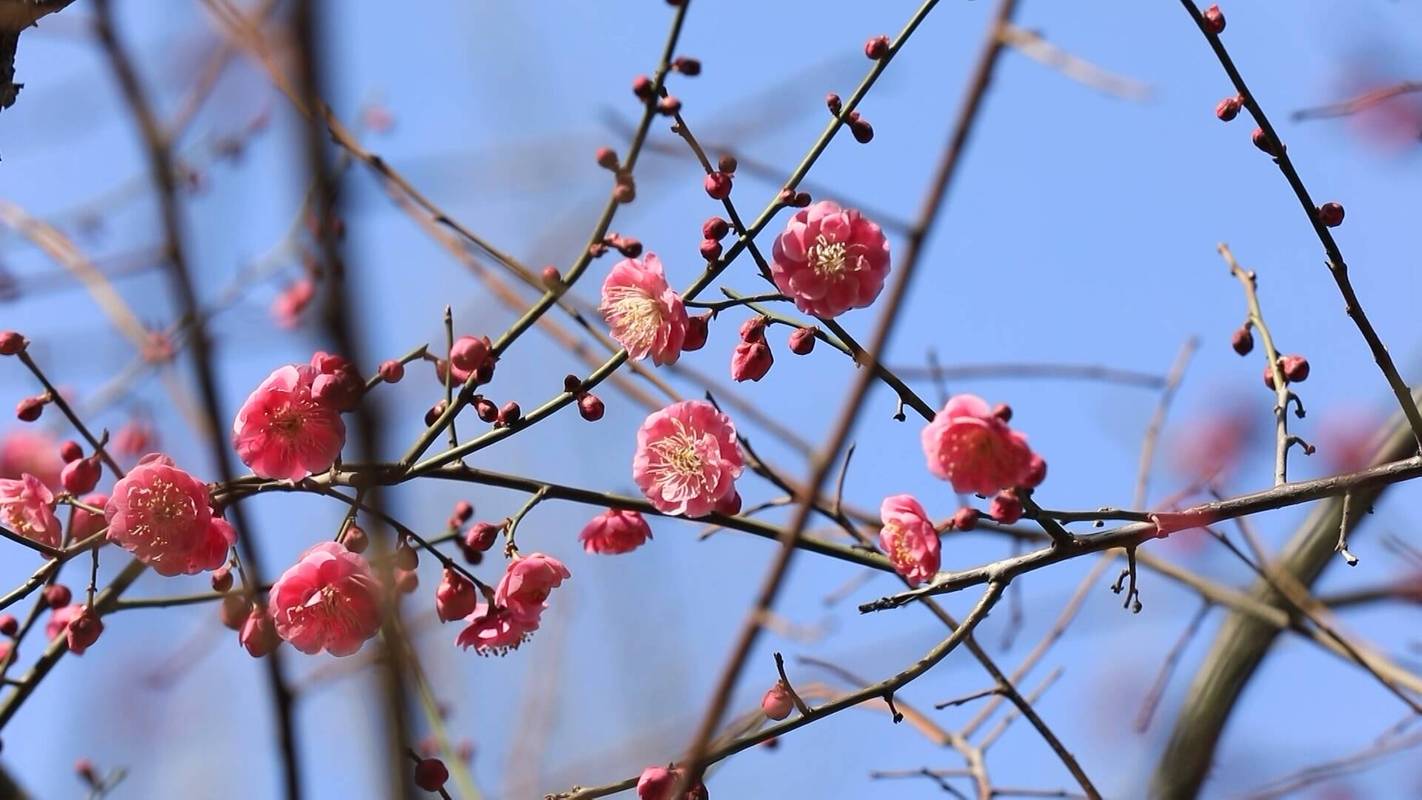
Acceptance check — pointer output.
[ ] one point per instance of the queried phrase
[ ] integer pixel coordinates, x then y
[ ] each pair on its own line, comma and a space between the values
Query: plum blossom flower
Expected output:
658, 783
909, 538
830, 259
288, 306
687, 458
526, 584
162, 515
328, 600
283, 432
974, 449
493, 630
85, 523
614, 531
30, 451
646, 316
27, 508
61, 621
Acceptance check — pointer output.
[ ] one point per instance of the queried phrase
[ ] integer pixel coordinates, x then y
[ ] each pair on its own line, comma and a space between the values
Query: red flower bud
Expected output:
355, 538
481, 536
668, 106
801, 200
434, 413
1228, 108
730, 505
1269, 377
1036, 472
860, 127
751, 361
590, 407
221, 579
81, 476
463, 510
802, 341
718, 185
455, 597
550, 277
710, 249
690, 67
1295, 368
11, 343
1331, 214
877, 47
1261, 141
1005, 508
642, 87
832, 102
1242, 341
965, 519
83, 631
753, 329
29, 409
715, 228
509, 414
777, 703
9, 626
624, 192
233, 611
1214, 20
606, 158
727, 164
391, 371
69, 450
697, 330
486, 409
431, 774
57, 596
258, 634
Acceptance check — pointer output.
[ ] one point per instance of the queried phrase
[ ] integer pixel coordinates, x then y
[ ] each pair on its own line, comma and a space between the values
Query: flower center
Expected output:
162, 510
635, 313
678, 454
829, 259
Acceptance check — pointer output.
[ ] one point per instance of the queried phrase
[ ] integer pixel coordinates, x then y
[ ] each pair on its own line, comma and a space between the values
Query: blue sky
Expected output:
1081, 229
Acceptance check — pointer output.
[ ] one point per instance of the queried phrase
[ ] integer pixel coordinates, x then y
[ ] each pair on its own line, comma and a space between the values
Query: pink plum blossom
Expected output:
526, 584
974, 449
909, 538
30, 451
283, 432
27, 508
493, 630
293, 300
328, 600
646, 316
830, 259
687, 458
614, 531
162, 515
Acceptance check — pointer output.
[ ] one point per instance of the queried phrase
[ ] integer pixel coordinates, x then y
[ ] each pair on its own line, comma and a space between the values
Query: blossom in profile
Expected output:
830, 259
27, 508
328, 600
909, 538
970, 446
658, 783
162, 515
687, 458
494, 631
646, 316
526, 584
283, 431
614, 531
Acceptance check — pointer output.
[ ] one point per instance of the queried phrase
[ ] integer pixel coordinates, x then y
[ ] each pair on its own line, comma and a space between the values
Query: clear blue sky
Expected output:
1081, 229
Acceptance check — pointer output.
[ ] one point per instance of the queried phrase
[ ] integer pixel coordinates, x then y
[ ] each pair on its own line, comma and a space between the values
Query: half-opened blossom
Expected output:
909, 539
969, 446
455, 597
162, 515
61, 620
27, 508
526, 584
658, 783
328, 600
646, 316
283, 432
616, 530
493, 630
830, 259
687, 458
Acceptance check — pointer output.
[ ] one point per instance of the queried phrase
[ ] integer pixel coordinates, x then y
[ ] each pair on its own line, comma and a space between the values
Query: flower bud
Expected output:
833, 103
1214, 20
392, 371
463, 510
1242, 341
259, 634
802, 341
715, 228
434, 413
12, 343
431, 774
777, 703
590, 407
1229, 108
83, 631
690, 67
29, 409
1261, 141
233, 611
572, 383
727, 164
710, 249
9, 626
467, 355
801, 200
669, 106
965, 519
1036, 472
606, 158
625, 191
877, 47
57, 596
753, 329
481, 536
730, 505
486, 409
550, 277
642, 87
860, 127
718, 185
1005, 508
1269, 377
751, 361
455, 597
697, 329
355, 538
1003, 412
1295, 368
69, 450
221, 579
509, 414
1331, 214
81, 476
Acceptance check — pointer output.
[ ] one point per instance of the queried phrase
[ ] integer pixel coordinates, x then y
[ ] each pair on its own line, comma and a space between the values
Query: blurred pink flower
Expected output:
646, 316
327, 600
163, 516
30, 451
283, 432
84, 523
27, 508
909, 539
1207, 448
526, 584
687, 458
975, 450
830, 260
614, 531
134, 438
292, 301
